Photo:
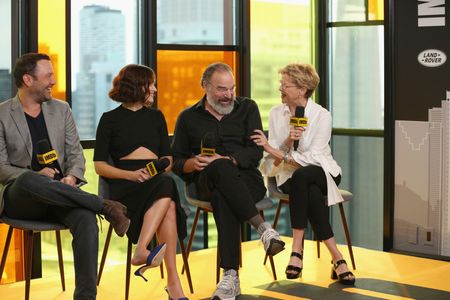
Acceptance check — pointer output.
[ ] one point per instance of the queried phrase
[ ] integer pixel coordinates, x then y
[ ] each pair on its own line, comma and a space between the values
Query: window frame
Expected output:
242, 48
388, 132
24, 39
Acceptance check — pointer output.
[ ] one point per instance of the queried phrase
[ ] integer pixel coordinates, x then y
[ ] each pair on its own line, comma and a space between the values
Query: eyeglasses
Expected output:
223, 90
283, 87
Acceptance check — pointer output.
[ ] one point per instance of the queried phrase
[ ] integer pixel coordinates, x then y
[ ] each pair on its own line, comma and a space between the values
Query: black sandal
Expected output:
297, 270
342, 276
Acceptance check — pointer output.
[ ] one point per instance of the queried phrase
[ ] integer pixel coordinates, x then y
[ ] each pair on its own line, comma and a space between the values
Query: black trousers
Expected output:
307, 189
233, 194
36, 197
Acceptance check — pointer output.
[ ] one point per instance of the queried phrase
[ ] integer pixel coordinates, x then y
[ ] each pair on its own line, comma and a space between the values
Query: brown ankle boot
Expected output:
114, 213
116, 204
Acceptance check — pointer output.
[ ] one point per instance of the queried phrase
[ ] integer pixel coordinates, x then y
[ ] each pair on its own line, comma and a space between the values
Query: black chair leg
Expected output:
186, 264
217, 265
191, 237
347, 235
318, 249
28, 261
240, 250
161, 270
60, 259
104, 254
5, 251
128, 270
272, 264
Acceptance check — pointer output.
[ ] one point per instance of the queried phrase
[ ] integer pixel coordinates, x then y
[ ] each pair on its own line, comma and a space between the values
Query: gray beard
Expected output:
222, 110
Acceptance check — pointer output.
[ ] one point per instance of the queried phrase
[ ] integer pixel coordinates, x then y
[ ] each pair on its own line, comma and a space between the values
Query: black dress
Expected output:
120, 132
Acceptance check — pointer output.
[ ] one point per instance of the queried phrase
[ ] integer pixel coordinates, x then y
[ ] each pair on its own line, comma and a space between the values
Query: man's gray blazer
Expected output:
16, 145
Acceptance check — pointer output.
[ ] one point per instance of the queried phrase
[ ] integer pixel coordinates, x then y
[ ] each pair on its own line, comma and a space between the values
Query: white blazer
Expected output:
313, 147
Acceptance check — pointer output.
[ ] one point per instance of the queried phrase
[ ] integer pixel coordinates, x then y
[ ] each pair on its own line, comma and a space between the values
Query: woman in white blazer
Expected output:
300, 159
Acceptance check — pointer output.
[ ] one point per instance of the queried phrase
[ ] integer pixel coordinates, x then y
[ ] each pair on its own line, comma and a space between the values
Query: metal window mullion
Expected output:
354, 23
68, 52
366, 9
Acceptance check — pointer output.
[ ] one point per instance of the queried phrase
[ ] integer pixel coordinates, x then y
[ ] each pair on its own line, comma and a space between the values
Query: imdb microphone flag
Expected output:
47, 158
298, 122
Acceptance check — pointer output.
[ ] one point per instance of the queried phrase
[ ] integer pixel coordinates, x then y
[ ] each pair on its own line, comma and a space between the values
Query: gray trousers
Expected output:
36, 197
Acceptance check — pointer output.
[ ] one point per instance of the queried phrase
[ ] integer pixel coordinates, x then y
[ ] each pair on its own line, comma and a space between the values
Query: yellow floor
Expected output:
380, 275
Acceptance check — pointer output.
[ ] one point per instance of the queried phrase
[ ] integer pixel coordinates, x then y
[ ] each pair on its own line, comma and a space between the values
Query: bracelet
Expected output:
285, 157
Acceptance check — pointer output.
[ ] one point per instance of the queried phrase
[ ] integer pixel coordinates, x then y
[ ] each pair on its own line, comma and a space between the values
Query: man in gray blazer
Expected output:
34, 187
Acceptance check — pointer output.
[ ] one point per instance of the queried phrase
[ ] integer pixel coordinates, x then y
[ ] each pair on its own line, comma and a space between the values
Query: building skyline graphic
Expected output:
421, 222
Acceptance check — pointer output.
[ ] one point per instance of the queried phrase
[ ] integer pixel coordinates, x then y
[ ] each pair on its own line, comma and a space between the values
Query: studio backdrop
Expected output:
421, 91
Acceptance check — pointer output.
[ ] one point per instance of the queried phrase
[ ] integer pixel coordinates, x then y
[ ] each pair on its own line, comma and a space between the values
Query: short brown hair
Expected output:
26, 64
132, 84
302, 75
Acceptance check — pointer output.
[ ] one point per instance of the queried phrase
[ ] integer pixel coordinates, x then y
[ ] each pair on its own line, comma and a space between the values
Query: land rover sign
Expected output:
432, 58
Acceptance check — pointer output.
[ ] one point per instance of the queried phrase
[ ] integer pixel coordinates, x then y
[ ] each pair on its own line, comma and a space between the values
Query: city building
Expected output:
102, 55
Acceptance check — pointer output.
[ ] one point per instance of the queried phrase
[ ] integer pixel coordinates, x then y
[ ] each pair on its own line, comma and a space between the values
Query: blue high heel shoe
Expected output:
154, 259
167, 291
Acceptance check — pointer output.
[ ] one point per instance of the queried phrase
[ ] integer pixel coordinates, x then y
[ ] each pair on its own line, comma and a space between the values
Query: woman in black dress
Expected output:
128, 138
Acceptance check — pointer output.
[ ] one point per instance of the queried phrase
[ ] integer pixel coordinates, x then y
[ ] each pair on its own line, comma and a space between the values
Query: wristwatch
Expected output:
286, 157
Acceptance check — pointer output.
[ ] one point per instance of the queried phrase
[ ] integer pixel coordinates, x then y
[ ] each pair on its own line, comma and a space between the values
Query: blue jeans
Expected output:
36, 197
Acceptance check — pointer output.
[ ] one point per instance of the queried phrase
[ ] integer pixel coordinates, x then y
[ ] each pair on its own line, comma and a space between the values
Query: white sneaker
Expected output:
228, 288
272, 242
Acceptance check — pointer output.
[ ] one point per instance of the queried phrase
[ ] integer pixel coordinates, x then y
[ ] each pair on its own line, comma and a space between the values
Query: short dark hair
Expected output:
132, 84
26, 64
212, 68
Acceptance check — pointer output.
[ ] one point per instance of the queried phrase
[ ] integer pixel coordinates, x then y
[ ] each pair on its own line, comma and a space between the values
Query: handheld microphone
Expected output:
157, 166
298, 120
48, 157
208, 144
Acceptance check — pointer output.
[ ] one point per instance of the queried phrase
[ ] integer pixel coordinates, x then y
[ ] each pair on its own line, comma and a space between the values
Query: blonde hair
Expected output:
302, 75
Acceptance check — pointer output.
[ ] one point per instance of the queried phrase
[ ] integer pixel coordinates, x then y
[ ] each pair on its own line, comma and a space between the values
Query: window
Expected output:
104, 39
196, 22
361, 160
5, 50
52, 40
355, 10
284, 37
190, 36
178, 78
355, 95
186, 32
13, 271
357, 83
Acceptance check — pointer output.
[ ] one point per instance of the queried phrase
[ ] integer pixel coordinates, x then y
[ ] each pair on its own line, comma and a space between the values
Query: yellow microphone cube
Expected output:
151, 169
298, 122
208, 151
47, 158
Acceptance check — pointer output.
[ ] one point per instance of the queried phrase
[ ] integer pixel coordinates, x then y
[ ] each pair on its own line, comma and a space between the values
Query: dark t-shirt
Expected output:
38, 131
121, 131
